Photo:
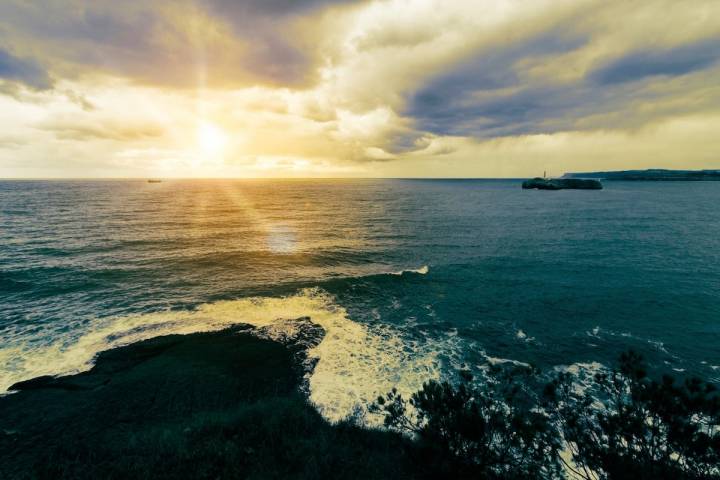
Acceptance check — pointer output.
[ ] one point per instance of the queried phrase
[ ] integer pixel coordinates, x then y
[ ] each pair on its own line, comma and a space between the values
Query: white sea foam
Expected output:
421, 271
582, 370
582, 373
521, 335
356, 362
501, 361
658, 345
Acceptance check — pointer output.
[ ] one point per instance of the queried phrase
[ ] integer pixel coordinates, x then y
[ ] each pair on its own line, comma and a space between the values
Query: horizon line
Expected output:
149, 177
4, 179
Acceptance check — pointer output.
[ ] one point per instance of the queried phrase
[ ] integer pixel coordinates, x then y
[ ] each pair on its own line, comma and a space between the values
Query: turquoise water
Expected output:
411, 278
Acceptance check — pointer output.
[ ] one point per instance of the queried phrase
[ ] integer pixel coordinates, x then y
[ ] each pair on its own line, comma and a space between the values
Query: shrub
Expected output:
635, 427
495, 430
623, 426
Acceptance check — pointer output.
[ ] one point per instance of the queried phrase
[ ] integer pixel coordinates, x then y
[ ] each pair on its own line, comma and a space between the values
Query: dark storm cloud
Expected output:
486, 97
250, 8
76, 37
250, 42
671, 62
529, 109
23, 70
88, 28
413, 142
275, 53
473, 99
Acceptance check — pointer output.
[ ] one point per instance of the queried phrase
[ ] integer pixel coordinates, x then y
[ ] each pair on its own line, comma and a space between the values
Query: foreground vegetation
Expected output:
227, 405
222, 405
622, 426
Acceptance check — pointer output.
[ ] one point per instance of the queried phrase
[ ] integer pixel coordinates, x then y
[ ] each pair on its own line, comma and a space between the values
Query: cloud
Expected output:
571, 76
78, 129
23, 70
7, 141
270, 7
80, 99
363, 87
185, 43
681, 142
486, 94
676, 61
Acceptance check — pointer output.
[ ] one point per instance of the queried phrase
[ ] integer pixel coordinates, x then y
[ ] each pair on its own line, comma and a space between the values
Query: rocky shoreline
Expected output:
225, 404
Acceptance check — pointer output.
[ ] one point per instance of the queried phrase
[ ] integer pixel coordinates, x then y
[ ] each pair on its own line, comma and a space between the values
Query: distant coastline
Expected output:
651, 175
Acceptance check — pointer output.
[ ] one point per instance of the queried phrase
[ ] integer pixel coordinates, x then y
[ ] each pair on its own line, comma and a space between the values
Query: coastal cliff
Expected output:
225, 404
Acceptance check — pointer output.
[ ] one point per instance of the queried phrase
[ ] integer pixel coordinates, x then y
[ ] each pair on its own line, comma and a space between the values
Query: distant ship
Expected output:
154, 180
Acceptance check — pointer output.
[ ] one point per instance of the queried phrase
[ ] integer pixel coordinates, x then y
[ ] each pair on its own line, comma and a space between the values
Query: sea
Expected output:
412, 280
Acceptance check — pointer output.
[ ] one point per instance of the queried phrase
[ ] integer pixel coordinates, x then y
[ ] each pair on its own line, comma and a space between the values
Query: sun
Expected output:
211, 139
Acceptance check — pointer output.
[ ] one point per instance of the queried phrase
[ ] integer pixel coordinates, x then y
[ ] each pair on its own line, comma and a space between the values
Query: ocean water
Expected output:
412, 279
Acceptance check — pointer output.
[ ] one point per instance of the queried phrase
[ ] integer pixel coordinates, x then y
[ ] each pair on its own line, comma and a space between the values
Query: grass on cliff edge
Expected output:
201, 406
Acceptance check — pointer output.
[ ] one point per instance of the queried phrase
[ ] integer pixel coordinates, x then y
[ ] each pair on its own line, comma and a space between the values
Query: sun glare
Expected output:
211, 139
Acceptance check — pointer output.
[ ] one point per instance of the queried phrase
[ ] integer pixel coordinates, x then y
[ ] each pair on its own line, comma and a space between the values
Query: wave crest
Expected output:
421, 271
354, 362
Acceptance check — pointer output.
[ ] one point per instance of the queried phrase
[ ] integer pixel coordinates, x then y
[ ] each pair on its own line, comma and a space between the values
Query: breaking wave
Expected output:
355, 362
421, 271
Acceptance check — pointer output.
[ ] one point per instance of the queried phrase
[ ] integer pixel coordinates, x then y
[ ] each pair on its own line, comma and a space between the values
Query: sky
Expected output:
353, 88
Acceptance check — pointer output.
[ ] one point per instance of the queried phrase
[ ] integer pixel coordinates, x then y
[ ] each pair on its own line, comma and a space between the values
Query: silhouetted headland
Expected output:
654, 174
226, 404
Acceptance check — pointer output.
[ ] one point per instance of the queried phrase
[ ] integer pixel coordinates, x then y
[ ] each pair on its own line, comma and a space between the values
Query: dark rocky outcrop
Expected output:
562, 184
213, 405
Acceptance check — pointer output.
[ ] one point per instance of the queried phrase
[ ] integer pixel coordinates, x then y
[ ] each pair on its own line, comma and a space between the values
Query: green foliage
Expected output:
226, 405
219, 405
635, 427
276, 438
493, 431
622, 426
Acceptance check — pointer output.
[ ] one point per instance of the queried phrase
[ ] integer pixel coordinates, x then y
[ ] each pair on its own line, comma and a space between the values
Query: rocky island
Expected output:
562, 184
